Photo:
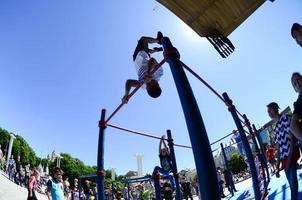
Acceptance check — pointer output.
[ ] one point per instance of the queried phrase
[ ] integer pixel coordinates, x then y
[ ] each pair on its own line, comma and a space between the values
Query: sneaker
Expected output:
159, 37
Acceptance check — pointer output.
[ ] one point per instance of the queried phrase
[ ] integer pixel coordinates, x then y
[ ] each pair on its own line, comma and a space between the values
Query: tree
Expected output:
237, 163
26, 153
20, 148
72, 167
4, 140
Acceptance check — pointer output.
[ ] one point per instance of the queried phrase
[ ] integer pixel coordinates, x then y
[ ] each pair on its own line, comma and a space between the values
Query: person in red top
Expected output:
270, 155
32, 185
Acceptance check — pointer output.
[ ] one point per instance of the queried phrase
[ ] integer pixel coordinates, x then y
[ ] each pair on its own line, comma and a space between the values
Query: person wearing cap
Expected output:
55, 187
296, 32
287, 150
144, 65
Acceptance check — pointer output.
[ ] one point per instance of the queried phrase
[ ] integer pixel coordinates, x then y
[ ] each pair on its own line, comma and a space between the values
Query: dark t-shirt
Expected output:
226, 177
86, 189
186, 186
167, 191
141, 46
18, 166
298, 106
165, 162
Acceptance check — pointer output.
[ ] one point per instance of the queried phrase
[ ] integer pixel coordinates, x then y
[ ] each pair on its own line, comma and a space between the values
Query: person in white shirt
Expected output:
144, 65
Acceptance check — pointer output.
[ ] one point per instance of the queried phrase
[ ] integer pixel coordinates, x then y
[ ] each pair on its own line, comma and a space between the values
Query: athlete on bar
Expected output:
144, 64
165, 161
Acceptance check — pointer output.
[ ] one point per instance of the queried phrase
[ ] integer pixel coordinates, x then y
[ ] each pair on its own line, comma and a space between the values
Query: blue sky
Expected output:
61, 62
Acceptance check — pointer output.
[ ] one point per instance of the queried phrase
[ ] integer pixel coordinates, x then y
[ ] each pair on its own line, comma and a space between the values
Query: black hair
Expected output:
56, 170
154, 91
296, 74
295, 27
273, 105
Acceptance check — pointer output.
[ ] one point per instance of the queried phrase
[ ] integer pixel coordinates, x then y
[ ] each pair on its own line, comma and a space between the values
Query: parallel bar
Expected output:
146, 135
246, 145
208, 86
100, 158
174, 165
203, 157
261, 155
221, 138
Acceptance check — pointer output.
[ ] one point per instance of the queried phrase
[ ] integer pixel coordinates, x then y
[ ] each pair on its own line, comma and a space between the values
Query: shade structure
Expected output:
205, 16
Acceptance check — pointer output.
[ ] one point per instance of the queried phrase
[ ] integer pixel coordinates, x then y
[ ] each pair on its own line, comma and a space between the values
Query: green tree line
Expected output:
72, 167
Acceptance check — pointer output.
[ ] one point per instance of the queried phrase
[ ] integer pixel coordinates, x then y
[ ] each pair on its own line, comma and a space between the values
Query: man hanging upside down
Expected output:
144, 64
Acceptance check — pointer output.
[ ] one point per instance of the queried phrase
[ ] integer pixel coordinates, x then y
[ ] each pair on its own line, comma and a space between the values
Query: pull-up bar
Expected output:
135, 90
156, 137
145, 134
209, 86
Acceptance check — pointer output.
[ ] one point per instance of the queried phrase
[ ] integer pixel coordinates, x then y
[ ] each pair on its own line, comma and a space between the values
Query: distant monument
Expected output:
10, 146
139, 160
113, 174
52, 156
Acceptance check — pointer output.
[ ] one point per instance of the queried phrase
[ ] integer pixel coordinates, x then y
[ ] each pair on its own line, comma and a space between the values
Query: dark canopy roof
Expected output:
203, 16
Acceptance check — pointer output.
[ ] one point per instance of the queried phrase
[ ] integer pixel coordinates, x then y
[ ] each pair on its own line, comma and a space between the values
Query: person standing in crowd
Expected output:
186, 189
1, 156
86, 188
18, 174
55, 187
220, 182
11, 168
167, 191
229, 182
270, 155
125, 193
75, 192
288, 151
296, 32
27, 172
296, 126
66, 188
236, 138
1, 159
32, 185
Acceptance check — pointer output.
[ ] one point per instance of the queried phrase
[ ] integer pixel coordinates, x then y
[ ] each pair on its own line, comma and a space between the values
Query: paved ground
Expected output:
278, 188
12, 191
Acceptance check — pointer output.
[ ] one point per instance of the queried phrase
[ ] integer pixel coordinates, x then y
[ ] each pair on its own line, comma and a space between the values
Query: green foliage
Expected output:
120, 177
107, 182
44, 162
27, 154
194, 178
4, 139
72, 167
146, 194
237, 163
20, 147
119, 185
